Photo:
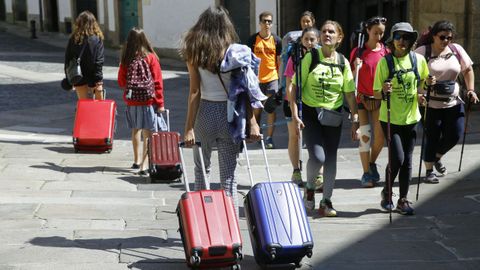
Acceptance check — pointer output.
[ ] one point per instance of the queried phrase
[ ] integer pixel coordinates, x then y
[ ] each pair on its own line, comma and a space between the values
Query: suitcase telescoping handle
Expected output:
267, 168
104, 93
181, 145
166, 112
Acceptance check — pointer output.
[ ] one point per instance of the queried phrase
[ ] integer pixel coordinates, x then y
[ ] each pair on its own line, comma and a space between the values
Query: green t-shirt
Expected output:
325, 85
403, 99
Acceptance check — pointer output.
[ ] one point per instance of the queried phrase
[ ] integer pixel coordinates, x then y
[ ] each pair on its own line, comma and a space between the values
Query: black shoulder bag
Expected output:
73, 71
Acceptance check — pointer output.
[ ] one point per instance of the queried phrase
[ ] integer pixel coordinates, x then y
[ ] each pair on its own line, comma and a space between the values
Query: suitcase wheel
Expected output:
309, 254
195, 259
273, 254
238, 256
298, 264
236, 267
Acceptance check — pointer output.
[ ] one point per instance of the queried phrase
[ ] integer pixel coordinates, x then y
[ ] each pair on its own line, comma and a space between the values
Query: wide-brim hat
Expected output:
405, 27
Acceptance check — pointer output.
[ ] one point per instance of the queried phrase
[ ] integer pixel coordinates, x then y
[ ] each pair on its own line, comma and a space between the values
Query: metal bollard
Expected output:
33, 29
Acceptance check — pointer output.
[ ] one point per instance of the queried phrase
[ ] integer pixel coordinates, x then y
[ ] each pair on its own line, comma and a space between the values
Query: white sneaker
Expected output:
309, 199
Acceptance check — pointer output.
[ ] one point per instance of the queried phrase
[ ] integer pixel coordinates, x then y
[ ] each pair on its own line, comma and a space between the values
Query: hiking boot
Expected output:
319, 183
374, 172
384, 203
403, 207
367, 180
431, 177
269, 143
297, 177
309, 199
326, 208
440, 168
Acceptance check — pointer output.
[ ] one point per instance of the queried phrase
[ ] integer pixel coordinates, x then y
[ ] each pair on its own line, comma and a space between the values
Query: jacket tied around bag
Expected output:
244, 86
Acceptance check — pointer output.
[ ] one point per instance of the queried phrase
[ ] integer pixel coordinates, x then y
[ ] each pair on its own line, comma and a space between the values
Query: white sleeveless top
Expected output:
211, 88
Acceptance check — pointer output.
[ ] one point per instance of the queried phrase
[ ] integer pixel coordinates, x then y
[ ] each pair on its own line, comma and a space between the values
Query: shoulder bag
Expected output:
331, 118
73, 71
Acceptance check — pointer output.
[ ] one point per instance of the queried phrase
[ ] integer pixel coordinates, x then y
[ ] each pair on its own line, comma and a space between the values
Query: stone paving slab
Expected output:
113, 194
12, 184
102, 214
108, 211
17, 211
86, 224
62, 266
21, 172
86, 184
65, 251
21, 224
18, 236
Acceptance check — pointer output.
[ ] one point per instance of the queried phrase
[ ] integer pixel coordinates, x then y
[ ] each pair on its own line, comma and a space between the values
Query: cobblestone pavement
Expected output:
61, 210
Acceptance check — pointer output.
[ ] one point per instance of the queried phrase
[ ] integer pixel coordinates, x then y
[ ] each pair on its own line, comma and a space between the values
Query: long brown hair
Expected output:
137, 44
86, 25
205, 43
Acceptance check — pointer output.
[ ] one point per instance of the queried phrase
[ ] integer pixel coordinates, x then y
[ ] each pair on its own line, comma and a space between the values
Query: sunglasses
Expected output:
404, 36
267, 21
442, 38
376, 20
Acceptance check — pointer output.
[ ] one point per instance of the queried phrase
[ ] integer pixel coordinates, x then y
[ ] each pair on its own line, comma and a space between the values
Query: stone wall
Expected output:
465, 14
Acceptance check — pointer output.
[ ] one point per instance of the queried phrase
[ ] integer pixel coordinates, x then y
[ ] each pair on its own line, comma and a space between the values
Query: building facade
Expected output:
166, 20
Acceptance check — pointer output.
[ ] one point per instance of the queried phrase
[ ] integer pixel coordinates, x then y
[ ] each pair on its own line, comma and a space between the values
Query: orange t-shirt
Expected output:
267, 50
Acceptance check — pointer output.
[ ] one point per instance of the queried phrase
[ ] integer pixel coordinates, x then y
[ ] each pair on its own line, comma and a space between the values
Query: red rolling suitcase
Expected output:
94, 125
277, 221
163, 156
208, 227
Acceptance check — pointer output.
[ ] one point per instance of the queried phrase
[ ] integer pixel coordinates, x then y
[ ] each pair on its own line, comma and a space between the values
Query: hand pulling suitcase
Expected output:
208, 226
94, 125
277, 221
163, 156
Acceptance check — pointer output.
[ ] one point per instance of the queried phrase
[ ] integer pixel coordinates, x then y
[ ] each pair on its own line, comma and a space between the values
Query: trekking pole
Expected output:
389, 166
357, 69
298, 71
469, 106
424, 123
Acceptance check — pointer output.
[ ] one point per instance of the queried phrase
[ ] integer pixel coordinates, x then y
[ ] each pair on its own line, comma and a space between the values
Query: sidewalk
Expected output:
61, 210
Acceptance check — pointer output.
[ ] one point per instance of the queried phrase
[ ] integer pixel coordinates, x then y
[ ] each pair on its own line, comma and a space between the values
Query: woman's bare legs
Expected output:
144, 162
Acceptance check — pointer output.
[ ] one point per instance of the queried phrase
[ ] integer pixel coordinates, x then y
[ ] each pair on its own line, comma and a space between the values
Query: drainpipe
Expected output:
40, 5
468, 24
278, 17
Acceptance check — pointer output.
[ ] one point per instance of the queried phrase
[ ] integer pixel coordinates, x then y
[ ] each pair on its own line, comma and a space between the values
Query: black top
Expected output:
91, 62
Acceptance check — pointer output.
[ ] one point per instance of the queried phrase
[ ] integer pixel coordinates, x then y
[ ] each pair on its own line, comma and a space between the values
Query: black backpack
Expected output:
391, 67
316, 60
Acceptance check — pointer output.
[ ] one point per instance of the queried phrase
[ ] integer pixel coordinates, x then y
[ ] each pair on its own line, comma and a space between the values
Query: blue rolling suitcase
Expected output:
277, 221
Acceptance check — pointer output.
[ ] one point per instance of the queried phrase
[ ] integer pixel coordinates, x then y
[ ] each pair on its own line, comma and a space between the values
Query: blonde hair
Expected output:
205, 43
339, 28
86, 25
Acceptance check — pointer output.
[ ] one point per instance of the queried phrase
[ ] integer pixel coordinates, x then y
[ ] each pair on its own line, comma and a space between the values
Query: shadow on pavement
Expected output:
148, 246
90, 169
443, 234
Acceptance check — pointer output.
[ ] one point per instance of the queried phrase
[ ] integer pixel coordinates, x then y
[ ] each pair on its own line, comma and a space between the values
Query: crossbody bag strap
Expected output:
85, 42
223, 84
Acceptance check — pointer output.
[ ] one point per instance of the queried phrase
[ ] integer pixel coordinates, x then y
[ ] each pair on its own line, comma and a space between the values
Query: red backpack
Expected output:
140, 85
